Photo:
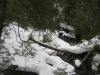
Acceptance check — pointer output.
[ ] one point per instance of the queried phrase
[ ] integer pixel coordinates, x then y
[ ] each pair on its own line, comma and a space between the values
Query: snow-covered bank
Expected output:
42, 64
29, 56
14, 42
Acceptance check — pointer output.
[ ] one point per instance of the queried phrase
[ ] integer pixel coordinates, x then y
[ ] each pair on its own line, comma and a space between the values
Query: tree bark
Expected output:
3, 4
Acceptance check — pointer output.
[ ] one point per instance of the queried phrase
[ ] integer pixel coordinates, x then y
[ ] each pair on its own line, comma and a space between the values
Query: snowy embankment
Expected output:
30, 56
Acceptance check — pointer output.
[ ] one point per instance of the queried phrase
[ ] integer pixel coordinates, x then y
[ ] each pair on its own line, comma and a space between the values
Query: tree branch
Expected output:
44, 45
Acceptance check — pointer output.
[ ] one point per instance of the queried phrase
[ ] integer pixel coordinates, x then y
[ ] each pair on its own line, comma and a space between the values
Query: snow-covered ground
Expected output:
29, 56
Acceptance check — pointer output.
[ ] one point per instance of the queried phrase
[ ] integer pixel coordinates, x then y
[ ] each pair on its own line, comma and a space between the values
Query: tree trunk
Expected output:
3, 4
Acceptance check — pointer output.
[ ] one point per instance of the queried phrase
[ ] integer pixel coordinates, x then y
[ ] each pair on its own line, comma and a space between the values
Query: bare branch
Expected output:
44, 45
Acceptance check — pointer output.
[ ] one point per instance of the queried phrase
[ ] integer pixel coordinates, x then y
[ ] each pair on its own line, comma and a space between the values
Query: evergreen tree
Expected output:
47, 14
2, 14
40, 14
83, 15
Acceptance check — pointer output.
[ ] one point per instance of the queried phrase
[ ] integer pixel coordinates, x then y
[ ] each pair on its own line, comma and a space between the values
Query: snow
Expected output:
96, 62
60, 44
67, 34
13, 41
64, 25
43, 60
77, 63
41, 63
95, 66
96, 58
